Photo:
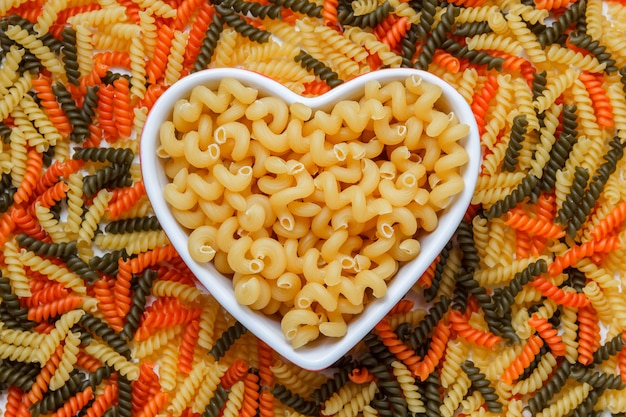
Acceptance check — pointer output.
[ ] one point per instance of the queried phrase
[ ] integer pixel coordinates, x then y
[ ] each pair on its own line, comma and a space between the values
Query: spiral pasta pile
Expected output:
523, 311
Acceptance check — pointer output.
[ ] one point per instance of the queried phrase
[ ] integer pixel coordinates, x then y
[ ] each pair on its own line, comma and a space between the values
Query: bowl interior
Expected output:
324, 351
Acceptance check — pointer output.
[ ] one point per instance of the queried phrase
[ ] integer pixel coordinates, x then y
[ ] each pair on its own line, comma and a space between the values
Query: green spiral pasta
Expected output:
451, 46
583, 40
12, 307
80, 129
576, 192
209, 43
236, 22
427, 18
431, 292
319, 68
218, 400
227, 339
518, 135
70, 62
101, 329
472, 28
610, 348
107, 263
55, 399
408, 43
21, 375
523, 190
254, 9
550, 388
138, 300
481, 384
122, 156
504, 297
295, 401
420, 333
300, 6
432, 398
332, 385
552, 33
346, 15
133, 224
56, 250
437, 36
561, 149
111, 176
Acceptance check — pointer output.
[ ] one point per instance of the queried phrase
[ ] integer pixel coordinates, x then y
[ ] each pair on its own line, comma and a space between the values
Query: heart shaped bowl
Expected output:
324, 351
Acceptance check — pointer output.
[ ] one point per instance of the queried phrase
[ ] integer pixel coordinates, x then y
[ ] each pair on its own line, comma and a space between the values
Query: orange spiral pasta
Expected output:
121, 289
106, 303
447, 61
599, 98
57, 170
187, 346
156, 66
460, 325
124, 199
51, 196
437, 348
167, 273
524, 244
47, 100
551, 4
315, 88
481, 99
610, 222
13, 401
250, 396
235, 372
106, 97
266, 404
42, 381
150, 258
396, 32
401, 307
621, 363
549, 334
94, 76
361, 376
154, 405
398, 348
588, 334
25, 222
103, 401
266, 360
153, 92
198, 29
569, 299
34, 165
584, 250
112, 59
329, 13
184, 12
145, 386
426, 280
122, 109
47, 294
54, 308
7, 225
88, 362
170, 313
519, 220
523, 360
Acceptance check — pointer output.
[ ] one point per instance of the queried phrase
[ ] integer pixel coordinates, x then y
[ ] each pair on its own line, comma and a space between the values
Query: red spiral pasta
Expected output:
401, 307
13, 401
523, 244
235, 372
426, 280
315, 88
266, 404
523, 360
167, 273
150, 258
584, 250
170, 313
588, 334
131, 9
122, 110
621, 364
50, 197
112, 59
98, 71
398, 348
460, 325
549, 334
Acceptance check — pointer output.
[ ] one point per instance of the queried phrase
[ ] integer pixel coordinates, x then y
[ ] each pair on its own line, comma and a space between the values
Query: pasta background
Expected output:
523, 312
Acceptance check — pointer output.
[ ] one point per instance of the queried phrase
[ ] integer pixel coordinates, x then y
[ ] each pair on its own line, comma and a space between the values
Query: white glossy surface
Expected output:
323, 352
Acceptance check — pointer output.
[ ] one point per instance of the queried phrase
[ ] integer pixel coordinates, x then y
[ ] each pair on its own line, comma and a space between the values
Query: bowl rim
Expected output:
325, 351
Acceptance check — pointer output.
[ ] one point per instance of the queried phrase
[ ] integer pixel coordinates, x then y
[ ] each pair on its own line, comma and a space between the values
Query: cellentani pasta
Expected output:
347, 192
522, 313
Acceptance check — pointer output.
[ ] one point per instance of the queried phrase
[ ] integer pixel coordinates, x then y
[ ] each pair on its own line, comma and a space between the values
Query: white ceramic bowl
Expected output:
324, 351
